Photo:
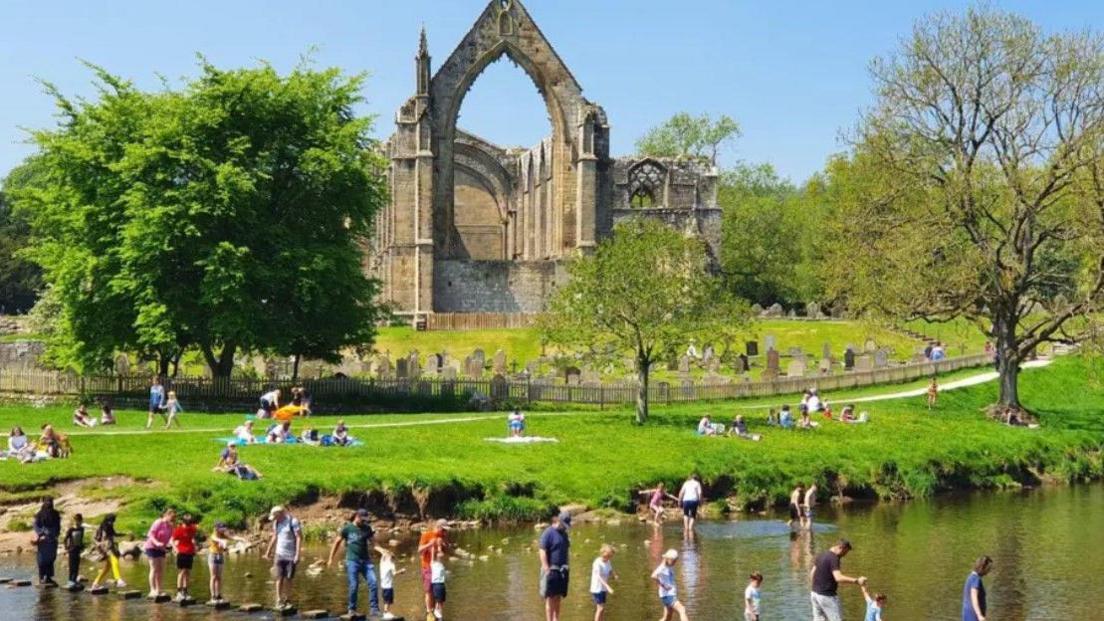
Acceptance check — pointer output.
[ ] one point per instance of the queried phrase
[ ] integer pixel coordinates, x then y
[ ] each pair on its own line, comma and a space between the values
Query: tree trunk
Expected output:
295, 368
163, 362
642, 369
221, 366
1008, 362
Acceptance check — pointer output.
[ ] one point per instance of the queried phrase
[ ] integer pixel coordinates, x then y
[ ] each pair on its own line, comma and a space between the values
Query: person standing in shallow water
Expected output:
690, 497
47, 529
826, 576
554, 551
973, 592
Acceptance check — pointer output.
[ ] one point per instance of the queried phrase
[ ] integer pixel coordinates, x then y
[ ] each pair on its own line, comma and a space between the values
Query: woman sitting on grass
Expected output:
705, 427
244, 433
19, 446
341, 434
107, 415
740, 430
229, 463
81, 417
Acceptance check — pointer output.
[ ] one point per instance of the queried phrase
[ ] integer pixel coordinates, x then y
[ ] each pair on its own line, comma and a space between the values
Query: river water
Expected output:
1048, 545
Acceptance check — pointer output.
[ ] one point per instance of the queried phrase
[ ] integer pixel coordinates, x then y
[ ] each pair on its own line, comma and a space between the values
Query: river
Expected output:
1048, 545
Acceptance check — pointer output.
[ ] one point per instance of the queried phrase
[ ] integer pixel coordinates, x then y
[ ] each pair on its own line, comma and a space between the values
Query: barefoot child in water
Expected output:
600, 573
664, 577
751, 598
218, 545
655, 500
874, 605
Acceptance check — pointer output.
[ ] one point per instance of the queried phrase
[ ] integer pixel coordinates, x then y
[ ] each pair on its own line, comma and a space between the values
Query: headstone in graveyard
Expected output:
383, 367
870, 346
572, 373
449, 374
713, 365
413, 366
500, 388
812, 310
796, 368
479, 355
752, 348
773, 361
825, 366
770, 374
684, 364
849, 359
739, 365
796, 352
864, 363
122, 365
500, 362
881, 359
775, 310
826, 351
402, 370
771, 342
708, 353
756, 310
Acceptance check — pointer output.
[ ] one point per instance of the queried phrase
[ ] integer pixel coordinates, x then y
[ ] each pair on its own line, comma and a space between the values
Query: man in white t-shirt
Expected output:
287, 541
690, 497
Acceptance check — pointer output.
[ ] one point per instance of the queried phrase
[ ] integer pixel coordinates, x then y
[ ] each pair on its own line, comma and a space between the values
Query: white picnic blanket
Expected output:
521, 440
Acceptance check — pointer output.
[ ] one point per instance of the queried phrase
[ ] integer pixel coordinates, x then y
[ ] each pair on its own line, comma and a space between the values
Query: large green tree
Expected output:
20, 279
225, 215
770, 244
686, 135
976, 185
645, 291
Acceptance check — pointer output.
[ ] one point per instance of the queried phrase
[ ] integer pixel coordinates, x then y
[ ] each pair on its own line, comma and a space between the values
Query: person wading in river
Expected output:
431, 542
826, 576
287, 541
973, 593
554, 551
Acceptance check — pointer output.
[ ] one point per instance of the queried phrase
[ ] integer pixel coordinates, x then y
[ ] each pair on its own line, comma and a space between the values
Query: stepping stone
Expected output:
219, 604
76, 588
187, 601
100, 590
316, 614
19, 583
130, 594
290, 611
355, 617
251, 608
160, 598
48, 585
5, 580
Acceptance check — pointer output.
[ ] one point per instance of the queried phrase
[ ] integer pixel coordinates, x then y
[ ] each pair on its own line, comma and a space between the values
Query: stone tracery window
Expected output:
646, 184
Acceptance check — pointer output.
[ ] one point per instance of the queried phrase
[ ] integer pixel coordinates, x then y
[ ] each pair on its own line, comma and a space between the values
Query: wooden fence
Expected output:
344, 394
478, 321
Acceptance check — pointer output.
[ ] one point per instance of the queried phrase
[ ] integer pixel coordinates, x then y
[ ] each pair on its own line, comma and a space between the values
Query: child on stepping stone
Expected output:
74, 545
183, 540
387, 581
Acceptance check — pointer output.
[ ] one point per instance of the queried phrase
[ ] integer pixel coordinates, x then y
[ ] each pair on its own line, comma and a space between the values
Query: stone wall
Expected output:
494, 286
702, 223
21, 355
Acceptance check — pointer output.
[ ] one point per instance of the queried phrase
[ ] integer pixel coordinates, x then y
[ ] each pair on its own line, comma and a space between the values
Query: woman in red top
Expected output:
183, 541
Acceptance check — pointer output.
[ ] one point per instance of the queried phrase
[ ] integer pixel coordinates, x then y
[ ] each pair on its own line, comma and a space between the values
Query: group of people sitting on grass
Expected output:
50, 445
83, 418
281, 433
811, 403
737, 429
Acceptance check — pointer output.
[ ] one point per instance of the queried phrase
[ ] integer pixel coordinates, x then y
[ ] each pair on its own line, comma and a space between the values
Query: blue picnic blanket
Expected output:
327, 440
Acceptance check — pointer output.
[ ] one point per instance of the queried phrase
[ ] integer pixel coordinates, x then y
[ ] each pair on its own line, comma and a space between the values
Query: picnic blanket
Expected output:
521, 440
327, 440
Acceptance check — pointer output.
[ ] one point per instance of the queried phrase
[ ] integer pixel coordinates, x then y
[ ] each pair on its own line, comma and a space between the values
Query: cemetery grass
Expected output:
601, 459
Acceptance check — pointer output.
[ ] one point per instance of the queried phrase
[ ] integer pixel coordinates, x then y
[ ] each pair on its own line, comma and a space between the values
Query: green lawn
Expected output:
601, 458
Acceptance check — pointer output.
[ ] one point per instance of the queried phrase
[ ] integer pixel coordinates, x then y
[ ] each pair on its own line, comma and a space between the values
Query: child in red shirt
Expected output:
183, 541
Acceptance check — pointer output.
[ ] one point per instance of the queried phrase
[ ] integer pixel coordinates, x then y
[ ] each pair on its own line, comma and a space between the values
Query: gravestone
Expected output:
500, 388
479, 355
775, 310
449, 374
825, 366
473, 366
573, 380
436, 364
812, 310
796, 352
708, 353
826, 351
402, 371
864, 363
870, 346
773, 361
756, 309
849, 359
500, 362
771, 342
796, 368
793, 313
533, 367
752, 348
740, 365
881, 359
122, 365
684, 364
770, 374
572, 374
413, 366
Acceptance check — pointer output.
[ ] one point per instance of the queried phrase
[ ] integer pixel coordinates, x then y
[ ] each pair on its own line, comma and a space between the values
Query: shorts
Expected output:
184, 561
427, 580
388, 596
439, 592
690, 508
554, 583
600, 598
215, 559
810, 512
826, 607
668, 600
285, 569
795, 512
155, 553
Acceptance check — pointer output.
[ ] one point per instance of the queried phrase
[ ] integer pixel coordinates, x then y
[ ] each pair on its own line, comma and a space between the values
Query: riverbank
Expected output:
415, 467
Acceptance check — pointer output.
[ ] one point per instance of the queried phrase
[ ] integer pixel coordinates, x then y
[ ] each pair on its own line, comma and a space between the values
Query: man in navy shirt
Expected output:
554, 548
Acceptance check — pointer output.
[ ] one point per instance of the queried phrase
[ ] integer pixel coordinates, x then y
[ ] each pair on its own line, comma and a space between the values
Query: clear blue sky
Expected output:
794, 74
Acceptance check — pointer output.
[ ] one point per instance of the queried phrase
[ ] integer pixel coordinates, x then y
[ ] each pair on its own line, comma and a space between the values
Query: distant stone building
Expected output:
476, 227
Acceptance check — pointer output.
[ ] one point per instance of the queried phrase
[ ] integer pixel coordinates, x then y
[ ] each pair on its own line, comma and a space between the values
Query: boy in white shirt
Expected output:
664, 577
387, 581
600, 574
751, 597
437, 583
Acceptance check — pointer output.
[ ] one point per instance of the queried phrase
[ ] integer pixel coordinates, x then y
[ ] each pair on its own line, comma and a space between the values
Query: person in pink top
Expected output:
655, 500
156, 547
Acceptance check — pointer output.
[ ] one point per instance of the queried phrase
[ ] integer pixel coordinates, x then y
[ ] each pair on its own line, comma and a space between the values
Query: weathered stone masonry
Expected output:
476, 227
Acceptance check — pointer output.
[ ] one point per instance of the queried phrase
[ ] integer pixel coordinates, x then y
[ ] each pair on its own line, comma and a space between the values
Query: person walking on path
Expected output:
826, 576
430, 543
74, 545
156, 401
690, 497
172, 410
809, 507
47, 529
287, 543
555, 548
357, 537
156, 548
105, 544
973, 592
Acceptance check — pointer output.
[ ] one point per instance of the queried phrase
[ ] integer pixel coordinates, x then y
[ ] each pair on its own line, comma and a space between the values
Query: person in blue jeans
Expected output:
357, 537
973, 592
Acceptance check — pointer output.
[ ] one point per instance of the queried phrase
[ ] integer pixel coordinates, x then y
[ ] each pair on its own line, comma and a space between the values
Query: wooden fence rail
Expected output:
343, 393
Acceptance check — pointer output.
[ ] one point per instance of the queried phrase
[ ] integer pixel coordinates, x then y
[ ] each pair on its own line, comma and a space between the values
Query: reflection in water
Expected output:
1046, 545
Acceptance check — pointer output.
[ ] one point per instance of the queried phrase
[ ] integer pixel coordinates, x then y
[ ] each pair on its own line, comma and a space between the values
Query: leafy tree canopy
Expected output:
686, 135
225, 215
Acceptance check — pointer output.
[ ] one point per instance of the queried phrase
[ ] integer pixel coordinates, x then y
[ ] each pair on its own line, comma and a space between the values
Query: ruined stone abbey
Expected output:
477, 227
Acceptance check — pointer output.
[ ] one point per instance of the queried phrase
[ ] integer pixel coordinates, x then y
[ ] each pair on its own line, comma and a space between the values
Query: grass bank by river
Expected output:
442, 465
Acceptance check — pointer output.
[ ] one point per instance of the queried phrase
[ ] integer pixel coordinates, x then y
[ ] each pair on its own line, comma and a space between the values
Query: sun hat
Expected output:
671, 555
